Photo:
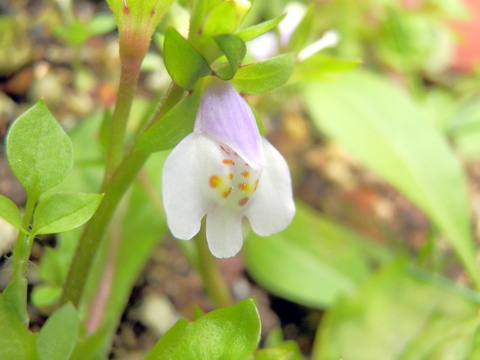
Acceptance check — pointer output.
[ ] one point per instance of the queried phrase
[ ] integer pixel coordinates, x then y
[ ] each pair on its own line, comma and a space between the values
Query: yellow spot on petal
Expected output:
246, 174
243, 186
226, 192
230, 176
243, 201
215, 181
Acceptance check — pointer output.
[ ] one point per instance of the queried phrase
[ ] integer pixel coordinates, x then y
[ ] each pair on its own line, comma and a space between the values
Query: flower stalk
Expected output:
208, 268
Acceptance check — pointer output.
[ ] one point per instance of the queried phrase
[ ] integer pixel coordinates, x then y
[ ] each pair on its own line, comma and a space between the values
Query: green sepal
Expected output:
222, 19
234, 49
263, 76
184, 64
172, 127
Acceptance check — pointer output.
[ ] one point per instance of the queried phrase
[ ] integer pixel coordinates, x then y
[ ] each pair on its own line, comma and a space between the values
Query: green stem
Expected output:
20, 257
208, 268
114, 188
126, 91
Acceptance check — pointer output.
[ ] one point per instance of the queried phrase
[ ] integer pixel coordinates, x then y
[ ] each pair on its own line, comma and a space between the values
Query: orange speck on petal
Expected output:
243, 186
245, 173
215, 181
228, 162
243, 201
226, 192
230, 176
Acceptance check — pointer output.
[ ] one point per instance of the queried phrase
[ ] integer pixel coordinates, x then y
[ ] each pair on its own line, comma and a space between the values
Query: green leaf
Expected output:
261, 77
388, 132
234, 49
400, 314
51, 267
101, 23
172, 127
464, 128
58, 336
92, 347
184, 64
273, 354
16, 342
14, 293
39, 152
254, 31
313, 262
10, 213
275, 339
64, 211
230, 333
44, 296
319, 67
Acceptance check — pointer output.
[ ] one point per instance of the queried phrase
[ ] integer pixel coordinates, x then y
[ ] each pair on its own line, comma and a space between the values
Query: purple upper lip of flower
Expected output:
226, 117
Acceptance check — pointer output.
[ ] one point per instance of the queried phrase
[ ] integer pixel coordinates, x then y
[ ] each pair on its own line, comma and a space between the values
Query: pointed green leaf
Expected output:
39, 152
384, 128
254, 31
230, 333
64, 211
10, 213
172, 127
234, 49
263, 76
58, 336
16, 342
184, 64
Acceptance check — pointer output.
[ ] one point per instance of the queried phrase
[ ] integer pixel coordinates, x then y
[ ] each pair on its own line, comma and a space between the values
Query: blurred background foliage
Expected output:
382, 135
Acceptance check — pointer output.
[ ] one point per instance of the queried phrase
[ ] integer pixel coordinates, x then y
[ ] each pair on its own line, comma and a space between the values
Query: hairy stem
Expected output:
21, 254
126, 93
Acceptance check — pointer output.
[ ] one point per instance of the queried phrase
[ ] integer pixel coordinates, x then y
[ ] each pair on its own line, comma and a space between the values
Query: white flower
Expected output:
227, 171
